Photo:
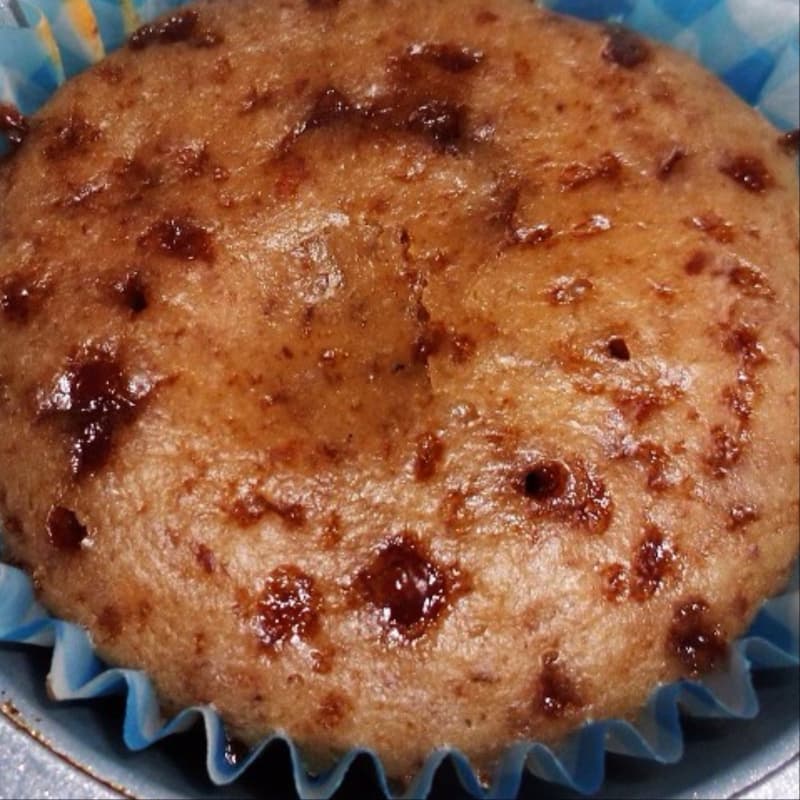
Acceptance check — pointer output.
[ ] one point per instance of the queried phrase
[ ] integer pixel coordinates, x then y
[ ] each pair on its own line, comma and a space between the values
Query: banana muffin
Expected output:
399, 373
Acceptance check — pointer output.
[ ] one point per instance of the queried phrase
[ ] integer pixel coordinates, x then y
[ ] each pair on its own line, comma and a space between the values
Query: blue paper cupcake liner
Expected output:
753, 46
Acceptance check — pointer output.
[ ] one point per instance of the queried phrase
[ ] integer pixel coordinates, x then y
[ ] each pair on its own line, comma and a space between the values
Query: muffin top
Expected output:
399, 374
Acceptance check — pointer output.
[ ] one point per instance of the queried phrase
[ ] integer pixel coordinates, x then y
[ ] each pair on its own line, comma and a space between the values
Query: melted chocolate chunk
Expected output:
92, 398
64, 529
131, 291
694, 639
178, 27
73, 135
624, 47
790, 141
430, 449
447, 56
617, 348
17, 297
179, 237
567, 492
440, 121
748, 171
556, 696
668, 163
653, 561
13, 125
741, 515
406, 587
288, 607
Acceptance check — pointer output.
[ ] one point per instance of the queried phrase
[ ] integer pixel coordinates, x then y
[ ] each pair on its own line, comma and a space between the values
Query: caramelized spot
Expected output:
251, 506
556, 695
751, 280
131, 292
13, 125
789, 141
463, 347
110, 621
292, 173
748, 171
653, 561
743, 341
406, 587
624, 47
615, 582
178, 27
288, 607
741, 514
440, 121
655, 459
607, 167
17, 297
92, 398
725, 451
567, 493
694, 639
715, 226
617, 348
205, 557
696, 263
566, 291
429, 342
486, 17
332, 710
430, 450
447, 56
258, 98
668, 163
179, 237
64, 529
74, 135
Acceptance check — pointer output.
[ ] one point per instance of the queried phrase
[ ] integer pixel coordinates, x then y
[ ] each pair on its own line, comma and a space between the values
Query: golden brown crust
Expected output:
400, 373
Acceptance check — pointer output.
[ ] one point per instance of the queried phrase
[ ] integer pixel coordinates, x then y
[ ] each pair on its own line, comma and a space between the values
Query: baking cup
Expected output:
753, 46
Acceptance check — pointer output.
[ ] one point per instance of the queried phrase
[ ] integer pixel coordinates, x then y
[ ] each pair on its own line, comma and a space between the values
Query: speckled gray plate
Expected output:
75, 750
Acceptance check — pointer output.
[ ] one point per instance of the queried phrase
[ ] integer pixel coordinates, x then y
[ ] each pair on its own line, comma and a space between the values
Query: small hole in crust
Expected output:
544, 480
618, 348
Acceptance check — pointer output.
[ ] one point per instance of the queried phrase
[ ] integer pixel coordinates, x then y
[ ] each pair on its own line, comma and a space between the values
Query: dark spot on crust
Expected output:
179, 237
205, 557
322, 4
288, 607
790, 141
64, 529
742, 340
131, 292
696, 262
332, 711
750, 280
110, 621
566, 291
406, 587
608, 167
19, 297
655, 459
447, 56
178, 27
430, 449
725, 451
250, 506
13, 125
567, 492
741, 515
429, 342
668, 162
615, 582
73, 135
440, 121
715, 226
463, 347
653, 560
545, 480
556, 695
486, 17
624, 47
695, 639
617, 348
748, 171
92, 398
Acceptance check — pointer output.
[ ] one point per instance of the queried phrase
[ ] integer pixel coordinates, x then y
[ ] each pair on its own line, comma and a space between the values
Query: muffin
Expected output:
399, 374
